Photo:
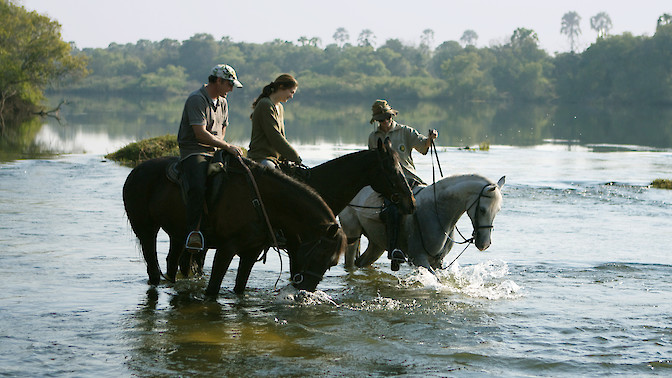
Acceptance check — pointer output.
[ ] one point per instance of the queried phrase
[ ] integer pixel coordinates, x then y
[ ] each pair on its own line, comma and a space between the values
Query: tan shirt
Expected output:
404, 139
268, 134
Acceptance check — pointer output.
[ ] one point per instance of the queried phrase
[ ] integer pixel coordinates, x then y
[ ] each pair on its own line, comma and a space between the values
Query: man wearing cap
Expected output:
202, 129
404, 139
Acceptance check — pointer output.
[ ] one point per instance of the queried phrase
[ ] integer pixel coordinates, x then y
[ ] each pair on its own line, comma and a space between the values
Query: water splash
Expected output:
290, 295
483, 280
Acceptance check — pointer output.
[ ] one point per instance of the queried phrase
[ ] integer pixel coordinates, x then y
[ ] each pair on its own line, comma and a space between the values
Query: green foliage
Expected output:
135, 153
615, 69
662, 184
32, 56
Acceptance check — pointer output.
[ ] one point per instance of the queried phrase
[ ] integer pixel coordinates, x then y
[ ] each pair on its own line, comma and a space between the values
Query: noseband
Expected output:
299, 277
475, 224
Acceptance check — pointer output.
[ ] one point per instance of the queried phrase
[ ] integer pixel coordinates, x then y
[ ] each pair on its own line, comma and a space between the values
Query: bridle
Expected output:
474, 222
259, 205
300, 276
394, 197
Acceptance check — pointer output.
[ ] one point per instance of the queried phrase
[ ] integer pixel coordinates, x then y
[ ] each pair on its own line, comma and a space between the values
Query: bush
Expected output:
662, 184
135, 153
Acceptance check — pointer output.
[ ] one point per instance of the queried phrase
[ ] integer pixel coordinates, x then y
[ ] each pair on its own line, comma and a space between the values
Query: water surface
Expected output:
576, 282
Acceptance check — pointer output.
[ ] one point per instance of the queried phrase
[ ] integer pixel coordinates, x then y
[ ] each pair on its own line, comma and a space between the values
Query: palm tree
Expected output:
341, 36
665, 19
315, 41
601, 23
366, 38
469, 37
570, 27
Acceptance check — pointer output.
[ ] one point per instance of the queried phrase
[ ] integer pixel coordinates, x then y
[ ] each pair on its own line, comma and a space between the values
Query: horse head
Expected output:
392, 183
313, 258
482, 212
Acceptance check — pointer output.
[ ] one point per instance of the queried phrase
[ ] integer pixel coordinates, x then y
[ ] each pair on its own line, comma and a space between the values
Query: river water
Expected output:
577, 281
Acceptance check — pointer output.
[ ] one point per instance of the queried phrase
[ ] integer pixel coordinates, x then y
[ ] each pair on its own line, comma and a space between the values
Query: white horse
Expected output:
426, 236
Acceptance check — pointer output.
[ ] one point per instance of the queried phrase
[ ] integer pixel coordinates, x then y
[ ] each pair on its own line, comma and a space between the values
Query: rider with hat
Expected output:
404, 139
202, 129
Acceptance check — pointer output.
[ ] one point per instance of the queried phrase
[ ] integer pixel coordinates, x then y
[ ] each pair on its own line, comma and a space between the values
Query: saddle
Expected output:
219, 163
218, 172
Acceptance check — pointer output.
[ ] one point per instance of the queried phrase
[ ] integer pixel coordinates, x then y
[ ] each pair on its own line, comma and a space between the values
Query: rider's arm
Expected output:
205, 137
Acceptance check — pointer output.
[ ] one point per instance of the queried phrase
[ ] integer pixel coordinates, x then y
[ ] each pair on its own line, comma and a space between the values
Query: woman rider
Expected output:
268, 144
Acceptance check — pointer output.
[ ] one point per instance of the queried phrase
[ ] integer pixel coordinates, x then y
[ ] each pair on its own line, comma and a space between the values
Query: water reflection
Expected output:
176, 330
313, 122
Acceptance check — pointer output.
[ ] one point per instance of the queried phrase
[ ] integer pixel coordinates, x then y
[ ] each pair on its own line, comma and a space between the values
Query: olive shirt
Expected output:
404, 139
200, 109
268, 134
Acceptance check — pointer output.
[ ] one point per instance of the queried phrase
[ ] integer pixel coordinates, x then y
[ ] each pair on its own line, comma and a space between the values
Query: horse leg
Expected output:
372, 253
352, 252
148, 245
174, 253
247, 260
220, 265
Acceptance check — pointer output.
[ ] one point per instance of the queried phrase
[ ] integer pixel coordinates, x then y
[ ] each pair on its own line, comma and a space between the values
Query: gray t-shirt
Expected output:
199, 109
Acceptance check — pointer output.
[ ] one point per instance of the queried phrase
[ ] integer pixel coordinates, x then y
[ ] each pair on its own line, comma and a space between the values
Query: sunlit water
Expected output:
576, 282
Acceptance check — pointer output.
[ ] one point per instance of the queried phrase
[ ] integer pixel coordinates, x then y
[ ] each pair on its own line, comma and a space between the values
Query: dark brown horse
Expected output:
337, 181
235, 224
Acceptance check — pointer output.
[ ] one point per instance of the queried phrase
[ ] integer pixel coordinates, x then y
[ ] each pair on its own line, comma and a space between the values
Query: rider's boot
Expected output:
391, 217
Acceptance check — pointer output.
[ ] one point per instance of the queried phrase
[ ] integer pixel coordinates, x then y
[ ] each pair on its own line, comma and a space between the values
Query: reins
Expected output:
258, 203
436, 211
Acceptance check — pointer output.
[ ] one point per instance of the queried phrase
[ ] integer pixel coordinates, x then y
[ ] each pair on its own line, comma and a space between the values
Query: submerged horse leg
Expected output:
372, 253
148, 245
352, 252
220, 265
247, 260
174, 253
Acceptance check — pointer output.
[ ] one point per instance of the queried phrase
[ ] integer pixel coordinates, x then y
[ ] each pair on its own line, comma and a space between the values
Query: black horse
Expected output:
237, 223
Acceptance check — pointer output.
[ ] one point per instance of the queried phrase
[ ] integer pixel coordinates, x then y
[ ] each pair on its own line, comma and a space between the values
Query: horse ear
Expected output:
388, 143
380, 144
501, 181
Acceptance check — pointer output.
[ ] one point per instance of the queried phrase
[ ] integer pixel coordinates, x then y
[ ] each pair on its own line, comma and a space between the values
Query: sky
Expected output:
97, 23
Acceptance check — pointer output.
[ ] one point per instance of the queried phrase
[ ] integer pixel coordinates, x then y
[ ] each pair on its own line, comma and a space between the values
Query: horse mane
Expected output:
461, 179
342, 157
289, 183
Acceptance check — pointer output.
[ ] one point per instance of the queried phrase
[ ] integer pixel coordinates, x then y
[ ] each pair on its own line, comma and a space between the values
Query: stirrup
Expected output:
397, 257
198, 242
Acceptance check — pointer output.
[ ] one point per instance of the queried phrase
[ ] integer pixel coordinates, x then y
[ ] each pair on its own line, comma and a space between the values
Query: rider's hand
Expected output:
233, 150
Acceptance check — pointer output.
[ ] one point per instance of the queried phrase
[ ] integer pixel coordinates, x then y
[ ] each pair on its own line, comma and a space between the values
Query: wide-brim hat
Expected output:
226, 72
380, 110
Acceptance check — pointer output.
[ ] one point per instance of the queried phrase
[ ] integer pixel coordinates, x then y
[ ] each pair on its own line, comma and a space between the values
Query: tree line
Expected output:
614, 69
